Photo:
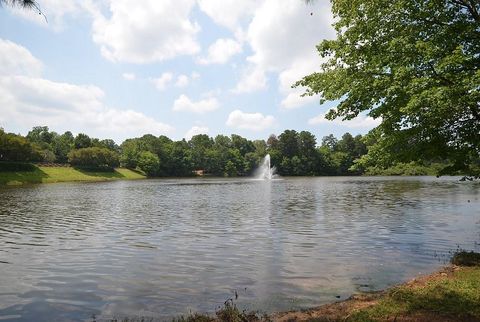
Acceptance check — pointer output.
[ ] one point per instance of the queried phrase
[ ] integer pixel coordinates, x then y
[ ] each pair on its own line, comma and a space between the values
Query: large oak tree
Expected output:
415, 65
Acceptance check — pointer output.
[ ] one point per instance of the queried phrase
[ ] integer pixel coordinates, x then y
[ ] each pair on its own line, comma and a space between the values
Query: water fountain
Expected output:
265, 171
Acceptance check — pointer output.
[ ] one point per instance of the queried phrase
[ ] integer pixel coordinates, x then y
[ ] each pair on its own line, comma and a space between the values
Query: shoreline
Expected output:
61, 174
374, 306
449, 294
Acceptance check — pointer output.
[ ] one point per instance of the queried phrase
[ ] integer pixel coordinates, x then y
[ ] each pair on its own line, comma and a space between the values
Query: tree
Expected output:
288, 143
130, 153
330, 141
415, 65
41, 135
199, 145
149, 163
61, 145
82, 141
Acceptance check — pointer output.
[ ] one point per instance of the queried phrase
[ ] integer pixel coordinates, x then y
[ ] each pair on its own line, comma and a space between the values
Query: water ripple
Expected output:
162, 247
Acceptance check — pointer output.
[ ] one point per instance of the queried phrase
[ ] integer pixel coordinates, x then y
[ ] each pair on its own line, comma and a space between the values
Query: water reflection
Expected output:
163, 247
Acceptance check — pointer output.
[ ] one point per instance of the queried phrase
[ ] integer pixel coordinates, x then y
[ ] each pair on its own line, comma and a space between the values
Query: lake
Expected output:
164, 247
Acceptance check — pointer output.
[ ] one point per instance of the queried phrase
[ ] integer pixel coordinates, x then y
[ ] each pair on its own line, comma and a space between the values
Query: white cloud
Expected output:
283, 36
250, 121
283, 32
252, 79
162, 81
227, 13
292, 96
129, 76
183, 103
144, 33
195, 75
27, 100
361, 121
195, 130
17, 60
182, 81
221, 51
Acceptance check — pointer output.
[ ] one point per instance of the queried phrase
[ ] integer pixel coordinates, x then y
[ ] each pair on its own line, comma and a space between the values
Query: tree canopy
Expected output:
293, 153
414, 64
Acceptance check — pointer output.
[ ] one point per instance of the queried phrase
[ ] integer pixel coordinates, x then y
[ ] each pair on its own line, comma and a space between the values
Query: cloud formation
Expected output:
17, 60
151, 32
27, 100
228, 13
129, 76
221, 51
185, 104
252, 79
195, 130
250, 121
162, 81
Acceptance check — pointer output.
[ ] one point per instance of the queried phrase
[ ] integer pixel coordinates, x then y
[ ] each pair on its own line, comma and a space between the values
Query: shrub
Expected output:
93, 158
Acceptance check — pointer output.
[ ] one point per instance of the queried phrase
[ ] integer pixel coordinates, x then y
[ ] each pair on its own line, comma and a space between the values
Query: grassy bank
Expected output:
452, 294
40, 174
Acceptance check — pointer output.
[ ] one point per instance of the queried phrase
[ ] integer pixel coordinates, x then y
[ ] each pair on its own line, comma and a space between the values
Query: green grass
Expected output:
41, 174
457, 297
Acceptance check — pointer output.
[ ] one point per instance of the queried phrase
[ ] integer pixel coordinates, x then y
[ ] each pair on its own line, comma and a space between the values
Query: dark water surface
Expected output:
164, 247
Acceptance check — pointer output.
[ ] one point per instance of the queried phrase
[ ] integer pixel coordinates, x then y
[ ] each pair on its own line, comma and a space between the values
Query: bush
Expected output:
149, 163
17, 148
93, 158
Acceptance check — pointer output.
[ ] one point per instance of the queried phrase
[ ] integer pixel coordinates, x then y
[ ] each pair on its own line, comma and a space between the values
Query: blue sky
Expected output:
124, 68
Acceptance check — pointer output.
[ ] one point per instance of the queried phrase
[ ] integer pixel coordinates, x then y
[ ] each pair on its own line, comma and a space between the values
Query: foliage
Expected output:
17, 148
292, 153
21, 3
149, 163
82, 141
405, 169
26, 4
413, 64
93, 158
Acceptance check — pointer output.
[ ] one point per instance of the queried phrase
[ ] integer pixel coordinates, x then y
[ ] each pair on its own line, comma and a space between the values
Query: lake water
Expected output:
164, 247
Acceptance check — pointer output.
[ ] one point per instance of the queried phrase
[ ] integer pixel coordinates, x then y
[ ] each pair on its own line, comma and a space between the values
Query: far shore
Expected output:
56, 173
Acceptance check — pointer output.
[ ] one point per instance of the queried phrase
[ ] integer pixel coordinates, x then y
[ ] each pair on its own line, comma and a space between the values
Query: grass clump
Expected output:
228, 313
464, 258
438, 299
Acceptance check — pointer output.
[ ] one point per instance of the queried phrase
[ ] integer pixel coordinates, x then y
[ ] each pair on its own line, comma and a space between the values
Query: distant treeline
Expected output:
293, 153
